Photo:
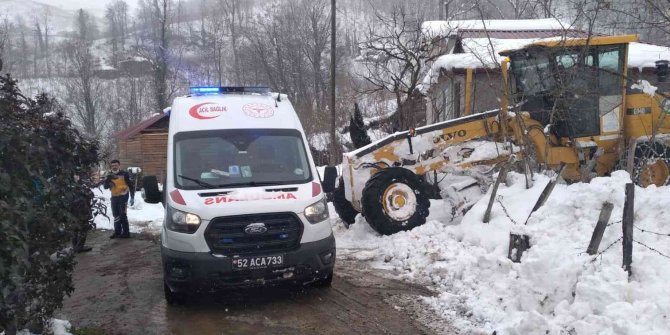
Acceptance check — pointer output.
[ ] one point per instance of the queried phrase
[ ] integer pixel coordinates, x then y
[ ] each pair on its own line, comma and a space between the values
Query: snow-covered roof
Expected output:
447, 28
643, 55
483, 53
478, 53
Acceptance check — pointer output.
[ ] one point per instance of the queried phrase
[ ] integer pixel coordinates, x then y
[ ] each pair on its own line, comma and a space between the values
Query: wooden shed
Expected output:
145, 145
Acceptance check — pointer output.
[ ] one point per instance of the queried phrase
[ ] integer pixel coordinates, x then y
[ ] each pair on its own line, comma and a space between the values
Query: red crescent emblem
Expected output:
194, 111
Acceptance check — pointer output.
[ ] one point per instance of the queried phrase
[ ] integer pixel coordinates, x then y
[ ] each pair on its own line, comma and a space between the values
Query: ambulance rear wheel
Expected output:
343, 207
394, 200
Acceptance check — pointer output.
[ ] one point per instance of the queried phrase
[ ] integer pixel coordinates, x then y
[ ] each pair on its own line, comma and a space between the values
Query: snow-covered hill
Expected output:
59, 19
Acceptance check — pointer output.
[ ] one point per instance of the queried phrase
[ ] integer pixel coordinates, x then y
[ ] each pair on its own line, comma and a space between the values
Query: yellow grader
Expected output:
565, 103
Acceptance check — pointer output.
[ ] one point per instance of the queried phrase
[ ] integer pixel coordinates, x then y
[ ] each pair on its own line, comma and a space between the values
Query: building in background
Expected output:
144, 145
465, 78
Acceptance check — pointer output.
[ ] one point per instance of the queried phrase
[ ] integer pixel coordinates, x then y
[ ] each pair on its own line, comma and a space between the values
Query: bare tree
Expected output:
233, 14
4, 41
212, 39
394, 55
46, 15
82, 91
157, 17
116, 15
316, 36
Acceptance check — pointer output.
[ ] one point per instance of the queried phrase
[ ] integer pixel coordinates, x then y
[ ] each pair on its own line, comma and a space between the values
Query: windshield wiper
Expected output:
198, 181
251, 183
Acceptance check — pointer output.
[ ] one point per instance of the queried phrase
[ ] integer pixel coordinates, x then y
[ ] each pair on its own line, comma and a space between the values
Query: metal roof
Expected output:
522, 34
136, 129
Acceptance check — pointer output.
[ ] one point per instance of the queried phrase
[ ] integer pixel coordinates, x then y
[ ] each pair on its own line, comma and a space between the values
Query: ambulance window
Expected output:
207, 159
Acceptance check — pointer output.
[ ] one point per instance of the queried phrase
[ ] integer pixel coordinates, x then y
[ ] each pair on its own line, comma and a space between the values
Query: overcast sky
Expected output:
96, 5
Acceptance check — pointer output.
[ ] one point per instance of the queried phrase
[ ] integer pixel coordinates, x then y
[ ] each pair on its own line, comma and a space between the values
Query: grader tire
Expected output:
652, 164
343, 207
394, 200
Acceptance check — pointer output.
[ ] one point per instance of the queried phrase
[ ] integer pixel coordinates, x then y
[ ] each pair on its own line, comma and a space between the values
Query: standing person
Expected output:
122, 189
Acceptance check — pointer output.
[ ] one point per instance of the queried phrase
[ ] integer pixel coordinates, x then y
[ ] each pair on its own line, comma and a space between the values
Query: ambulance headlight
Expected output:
317, 211
182, 222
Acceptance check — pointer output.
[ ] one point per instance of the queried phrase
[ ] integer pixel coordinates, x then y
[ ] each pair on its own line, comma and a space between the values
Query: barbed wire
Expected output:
505, 209
652, 249
651, 232
613, 223
608, 247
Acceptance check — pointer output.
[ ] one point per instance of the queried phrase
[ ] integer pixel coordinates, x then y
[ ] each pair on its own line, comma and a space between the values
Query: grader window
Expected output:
533, 74
610, 66
571, 88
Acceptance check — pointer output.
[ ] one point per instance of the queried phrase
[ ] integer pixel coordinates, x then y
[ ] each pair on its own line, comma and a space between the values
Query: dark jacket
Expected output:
120, 184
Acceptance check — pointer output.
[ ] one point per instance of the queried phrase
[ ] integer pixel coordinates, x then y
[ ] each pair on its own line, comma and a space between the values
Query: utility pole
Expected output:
333, 139
440, 13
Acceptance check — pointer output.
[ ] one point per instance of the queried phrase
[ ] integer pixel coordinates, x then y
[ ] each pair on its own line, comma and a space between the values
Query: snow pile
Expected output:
557, 288
645, 87
58, 327
142, 217
320, 141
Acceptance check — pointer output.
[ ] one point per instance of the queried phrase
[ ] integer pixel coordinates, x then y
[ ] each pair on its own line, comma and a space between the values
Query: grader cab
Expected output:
564, 103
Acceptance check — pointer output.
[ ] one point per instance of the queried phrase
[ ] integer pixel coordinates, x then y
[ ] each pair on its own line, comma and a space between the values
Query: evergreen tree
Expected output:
40, 152
357, 129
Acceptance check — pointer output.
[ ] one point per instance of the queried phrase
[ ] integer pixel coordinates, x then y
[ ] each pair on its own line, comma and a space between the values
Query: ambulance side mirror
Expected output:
329, 178
150, 191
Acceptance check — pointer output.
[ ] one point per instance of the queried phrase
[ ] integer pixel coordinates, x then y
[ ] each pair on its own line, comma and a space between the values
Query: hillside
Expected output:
27, 10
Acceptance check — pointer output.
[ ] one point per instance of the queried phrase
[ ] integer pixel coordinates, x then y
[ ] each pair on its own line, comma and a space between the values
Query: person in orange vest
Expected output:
122, 188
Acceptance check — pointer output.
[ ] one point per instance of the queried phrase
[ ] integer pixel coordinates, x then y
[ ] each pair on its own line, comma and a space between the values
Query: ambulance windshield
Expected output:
240, 158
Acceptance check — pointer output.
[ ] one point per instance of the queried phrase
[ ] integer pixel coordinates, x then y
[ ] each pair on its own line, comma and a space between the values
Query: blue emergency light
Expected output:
200, 90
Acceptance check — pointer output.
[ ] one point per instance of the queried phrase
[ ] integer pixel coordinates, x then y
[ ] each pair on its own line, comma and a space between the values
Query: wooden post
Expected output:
596, 238
528, 172
502, 175
518, 244
547, 191
334, 150
628, 218
467, 110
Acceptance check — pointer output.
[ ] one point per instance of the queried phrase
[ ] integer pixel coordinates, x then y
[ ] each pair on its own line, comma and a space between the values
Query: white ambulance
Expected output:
244, 202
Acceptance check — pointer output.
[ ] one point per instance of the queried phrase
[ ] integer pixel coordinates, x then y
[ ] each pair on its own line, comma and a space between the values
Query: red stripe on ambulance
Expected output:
251, 197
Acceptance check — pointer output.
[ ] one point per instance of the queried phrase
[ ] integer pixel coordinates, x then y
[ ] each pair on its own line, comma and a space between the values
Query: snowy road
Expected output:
119, 291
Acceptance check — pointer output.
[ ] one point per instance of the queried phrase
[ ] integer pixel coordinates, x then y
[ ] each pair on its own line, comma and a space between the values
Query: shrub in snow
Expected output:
357, 129
40, 152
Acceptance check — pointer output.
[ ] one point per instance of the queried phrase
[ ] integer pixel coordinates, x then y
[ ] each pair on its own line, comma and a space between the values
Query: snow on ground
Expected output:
142, 217
557, 288
58, 327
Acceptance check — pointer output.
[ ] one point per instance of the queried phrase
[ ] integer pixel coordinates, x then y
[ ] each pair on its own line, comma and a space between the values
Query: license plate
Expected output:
258, 262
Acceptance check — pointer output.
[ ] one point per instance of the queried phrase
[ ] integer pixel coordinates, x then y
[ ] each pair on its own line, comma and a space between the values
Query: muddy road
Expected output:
118, 290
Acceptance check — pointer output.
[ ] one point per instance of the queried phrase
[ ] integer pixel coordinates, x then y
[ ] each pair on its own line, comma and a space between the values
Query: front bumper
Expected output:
193, 271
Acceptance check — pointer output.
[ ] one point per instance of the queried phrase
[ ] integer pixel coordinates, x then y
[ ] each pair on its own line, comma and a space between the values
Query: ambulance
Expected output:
243, 199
